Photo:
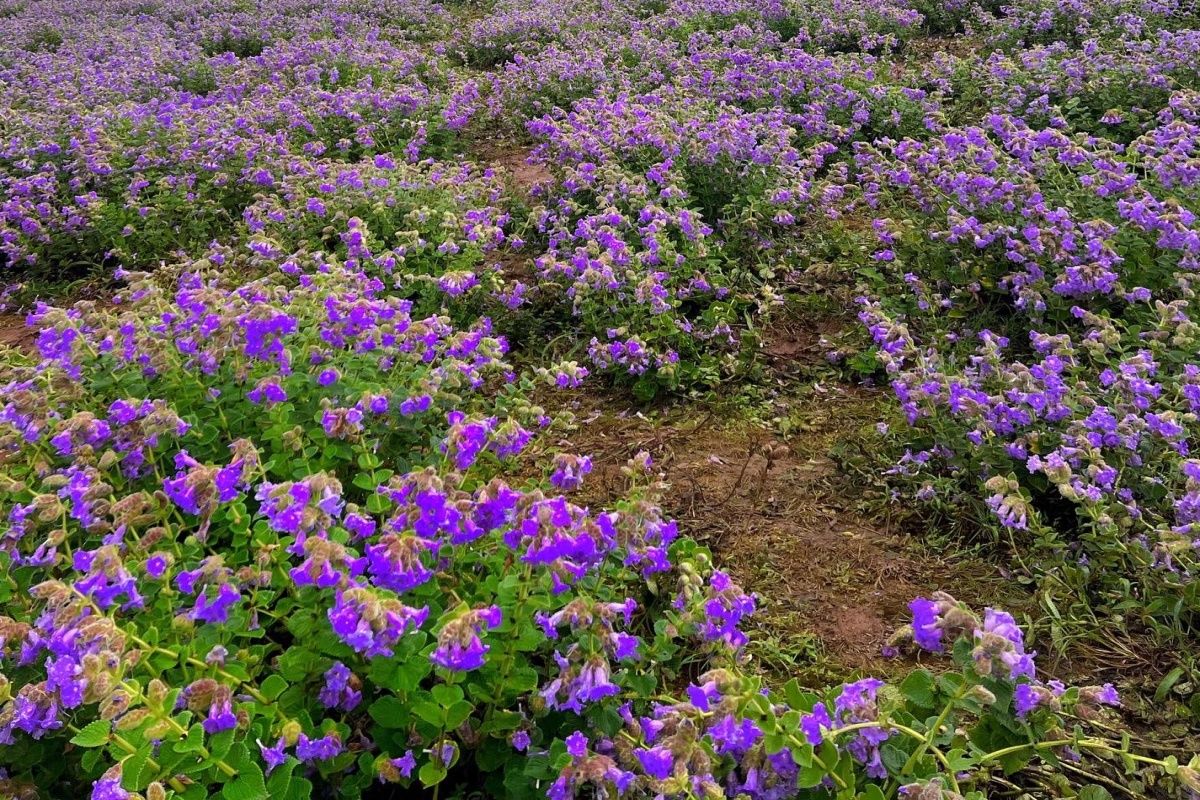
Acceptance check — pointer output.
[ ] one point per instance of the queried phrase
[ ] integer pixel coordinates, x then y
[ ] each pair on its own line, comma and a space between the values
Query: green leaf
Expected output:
131, 769
432, 773
280, 779
1167, 683
410, 674
219, 744
194, 742
872, 792
94, 734
91, 760
918, 689
240, 758
390, 712
894, 758
299, 789
501, 722
457, 714
492, 754
797, 698
1015, 762
645, 389
1094, 792
811, 776
248, 785
447, 695
273, 686
296, 664
430, 712
959, 761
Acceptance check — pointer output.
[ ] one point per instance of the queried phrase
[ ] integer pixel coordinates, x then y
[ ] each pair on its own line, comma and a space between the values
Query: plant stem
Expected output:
1089, 744
933, 729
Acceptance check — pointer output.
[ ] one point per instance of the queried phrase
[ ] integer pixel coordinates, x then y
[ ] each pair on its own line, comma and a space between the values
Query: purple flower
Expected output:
217, 609
360, 525
657, 762
109, 788
220, 715
268, 391
703, 696
926, 632
856, 704
815, 723
569, 471
459, 646
338, 691
65, 675
405, 764
1025, 699
273, 756
1001, 639
579, 683
734, 736
156, 565
322, 749
372, 625
1105, 695
416, 405
577, 744
724, 611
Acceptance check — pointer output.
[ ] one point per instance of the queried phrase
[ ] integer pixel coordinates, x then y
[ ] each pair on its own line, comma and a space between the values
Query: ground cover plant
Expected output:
305, 305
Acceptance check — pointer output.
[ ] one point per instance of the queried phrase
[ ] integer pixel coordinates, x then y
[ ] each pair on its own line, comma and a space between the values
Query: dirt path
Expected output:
14, 332
514, 160
779, 515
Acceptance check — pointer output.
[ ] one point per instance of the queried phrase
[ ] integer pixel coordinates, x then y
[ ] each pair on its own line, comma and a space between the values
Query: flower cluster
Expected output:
281, 517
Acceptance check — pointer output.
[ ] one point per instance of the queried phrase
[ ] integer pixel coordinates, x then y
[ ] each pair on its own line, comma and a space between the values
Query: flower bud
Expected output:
291, 732
114, 705
981, 694
133, 719
1189, 777
156, 691
159, 729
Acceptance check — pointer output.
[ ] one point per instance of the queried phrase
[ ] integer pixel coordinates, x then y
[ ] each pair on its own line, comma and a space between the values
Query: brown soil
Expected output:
14, 332
514, 160
780, 517
793, 344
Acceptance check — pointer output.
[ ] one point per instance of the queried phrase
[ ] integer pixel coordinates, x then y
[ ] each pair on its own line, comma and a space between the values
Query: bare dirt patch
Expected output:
794, 344
15, 333
780, 517
515, 160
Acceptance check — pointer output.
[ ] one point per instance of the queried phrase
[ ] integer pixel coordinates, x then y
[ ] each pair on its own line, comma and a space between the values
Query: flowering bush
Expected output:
302, 540
1068, 416
160, 144
282, 519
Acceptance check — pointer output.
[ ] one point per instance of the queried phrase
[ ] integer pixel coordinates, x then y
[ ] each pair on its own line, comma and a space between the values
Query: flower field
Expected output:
466, 399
